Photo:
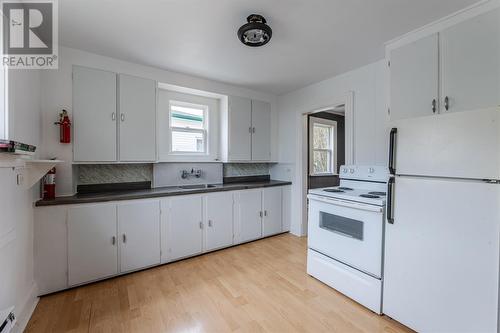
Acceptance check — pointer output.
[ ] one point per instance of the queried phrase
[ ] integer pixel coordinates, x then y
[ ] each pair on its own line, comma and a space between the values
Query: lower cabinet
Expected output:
271, 204
139, 235
219, 229
92, 243
81, 243
99, 235
259, 213
249, 215
184, 227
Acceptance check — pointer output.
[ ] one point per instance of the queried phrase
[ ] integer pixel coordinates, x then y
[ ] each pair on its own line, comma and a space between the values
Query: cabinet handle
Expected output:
124, 238
113, 116
201, 225
434, 105
122, 116
253, 129
260, 213
447, 103
210, 223
113, 240
265, 213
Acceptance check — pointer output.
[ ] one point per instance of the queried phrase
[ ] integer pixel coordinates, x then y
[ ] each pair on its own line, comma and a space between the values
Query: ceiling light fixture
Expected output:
256, 32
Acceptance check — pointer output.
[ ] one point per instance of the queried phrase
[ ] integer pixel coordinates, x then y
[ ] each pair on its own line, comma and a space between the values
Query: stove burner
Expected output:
370, 196
345, 188
333, 190
377, 193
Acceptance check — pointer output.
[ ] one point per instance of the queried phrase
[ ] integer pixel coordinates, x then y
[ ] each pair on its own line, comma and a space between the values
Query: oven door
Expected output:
349, 232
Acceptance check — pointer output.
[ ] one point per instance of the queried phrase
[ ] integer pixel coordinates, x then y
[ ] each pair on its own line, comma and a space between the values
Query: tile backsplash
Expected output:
245, 169
114, 173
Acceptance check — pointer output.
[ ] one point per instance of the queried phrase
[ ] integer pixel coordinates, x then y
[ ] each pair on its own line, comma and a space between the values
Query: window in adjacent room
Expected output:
188, 128
322, 147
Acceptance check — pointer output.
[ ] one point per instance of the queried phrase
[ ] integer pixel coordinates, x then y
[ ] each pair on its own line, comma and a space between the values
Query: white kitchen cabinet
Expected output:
246, 130
261, 131
185, 226
139, 234
137, 107
219, 220
249, 214
286, 208
50, 249
92, 243
94, 115
272, 207
240, 128
414, 79
470, 60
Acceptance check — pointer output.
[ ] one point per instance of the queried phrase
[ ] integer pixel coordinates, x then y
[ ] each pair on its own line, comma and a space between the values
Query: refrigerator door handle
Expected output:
390, 199
392, 150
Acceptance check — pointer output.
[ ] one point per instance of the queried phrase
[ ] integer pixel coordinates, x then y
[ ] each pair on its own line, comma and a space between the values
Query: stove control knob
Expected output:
371, 170
344, 170
351, 170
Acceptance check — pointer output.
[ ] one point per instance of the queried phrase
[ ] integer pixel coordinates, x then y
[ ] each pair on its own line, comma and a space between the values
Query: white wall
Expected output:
57, 94
16, 203
368, 84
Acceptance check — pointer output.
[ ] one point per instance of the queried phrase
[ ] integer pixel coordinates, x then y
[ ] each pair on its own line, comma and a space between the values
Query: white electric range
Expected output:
346, 234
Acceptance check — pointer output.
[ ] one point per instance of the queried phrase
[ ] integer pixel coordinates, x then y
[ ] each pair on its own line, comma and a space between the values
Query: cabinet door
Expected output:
240, 126
470, 53
92, 243
94, 115
271, 202
414, 78
137, 119
185, 226
287, 208
250, 215
219, 217
139, 234
261, 131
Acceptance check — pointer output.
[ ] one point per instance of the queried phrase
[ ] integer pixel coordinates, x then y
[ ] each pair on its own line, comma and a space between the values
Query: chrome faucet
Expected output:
193, 173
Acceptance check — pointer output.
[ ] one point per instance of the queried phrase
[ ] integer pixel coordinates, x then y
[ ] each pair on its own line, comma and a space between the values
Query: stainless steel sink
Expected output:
195, 187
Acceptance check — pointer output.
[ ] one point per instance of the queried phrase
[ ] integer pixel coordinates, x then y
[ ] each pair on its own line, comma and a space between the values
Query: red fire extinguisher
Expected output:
49, 184
64, 127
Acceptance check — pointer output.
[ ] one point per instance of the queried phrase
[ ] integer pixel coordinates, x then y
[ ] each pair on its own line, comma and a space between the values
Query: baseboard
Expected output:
26, 310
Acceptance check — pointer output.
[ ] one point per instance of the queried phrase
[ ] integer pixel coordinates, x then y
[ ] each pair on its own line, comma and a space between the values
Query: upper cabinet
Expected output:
414, 79
94, 115
137, 119
246, 130
454, 69
105, 131
471, 63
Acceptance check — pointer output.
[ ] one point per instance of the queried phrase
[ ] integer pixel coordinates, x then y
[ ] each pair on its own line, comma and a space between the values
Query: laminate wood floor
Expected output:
259, 286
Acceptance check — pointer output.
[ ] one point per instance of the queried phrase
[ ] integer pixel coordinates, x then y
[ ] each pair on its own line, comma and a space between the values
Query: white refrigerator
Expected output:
441, 267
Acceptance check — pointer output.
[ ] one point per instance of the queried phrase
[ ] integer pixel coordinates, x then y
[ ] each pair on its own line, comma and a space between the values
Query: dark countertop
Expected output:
155, 193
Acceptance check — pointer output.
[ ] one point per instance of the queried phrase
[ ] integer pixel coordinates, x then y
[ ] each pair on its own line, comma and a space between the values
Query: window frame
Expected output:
204, 131
333, 146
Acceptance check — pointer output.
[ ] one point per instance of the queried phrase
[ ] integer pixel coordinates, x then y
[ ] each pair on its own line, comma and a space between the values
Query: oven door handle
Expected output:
347, 204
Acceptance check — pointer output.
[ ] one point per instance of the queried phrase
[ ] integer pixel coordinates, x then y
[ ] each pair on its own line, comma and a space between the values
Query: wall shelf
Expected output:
34, 169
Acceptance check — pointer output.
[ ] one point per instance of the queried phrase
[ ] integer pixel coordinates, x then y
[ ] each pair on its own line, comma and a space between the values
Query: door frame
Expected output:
348, 101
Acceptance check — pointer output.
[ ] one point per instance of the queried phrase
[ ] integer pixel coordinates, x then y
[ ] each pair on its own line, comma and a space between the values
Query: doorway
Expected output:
342, 106
326, 147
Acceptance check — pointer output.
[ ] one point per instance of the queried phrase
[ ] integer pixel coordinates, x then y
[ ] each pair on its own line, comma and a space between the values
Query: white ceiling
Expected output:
312, 39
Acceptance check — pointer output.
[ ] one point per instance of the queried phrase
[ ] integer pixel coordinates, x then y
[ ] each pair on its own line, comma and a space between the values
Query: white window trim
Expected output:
333, 138
204, 131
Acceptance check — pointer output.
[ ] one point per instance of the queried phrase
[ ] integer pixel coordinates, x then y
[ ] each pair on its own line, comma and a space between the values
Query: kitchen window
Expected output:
188, 128
322, 147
